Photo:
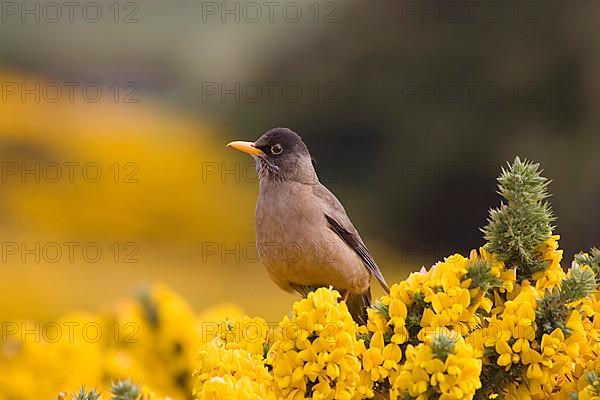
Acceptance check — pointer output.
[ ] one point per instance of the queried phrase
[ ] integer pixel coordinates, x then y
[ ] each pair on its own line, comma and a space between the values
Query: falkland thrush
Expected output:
303, 234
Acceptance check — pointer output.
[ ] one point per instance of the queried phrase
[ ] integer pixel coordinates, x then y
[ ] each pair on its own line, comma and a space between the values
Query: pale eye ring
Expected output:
277, 149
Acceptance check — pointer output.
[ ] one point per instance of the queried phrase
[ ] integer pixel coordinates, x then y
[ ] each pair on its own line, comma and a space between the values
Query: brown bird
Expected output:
303, 234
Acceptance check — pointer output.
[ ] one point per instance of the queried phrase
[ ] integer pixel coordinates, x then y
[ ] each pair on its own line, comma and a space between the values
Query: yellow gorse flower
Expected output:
439, 334
315, 352
225, 370
551, 276
444, 366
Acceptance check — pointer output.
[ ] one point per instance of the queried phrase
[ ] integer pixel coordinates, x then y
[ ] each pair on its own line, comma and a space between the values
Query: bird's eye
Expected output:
277, 149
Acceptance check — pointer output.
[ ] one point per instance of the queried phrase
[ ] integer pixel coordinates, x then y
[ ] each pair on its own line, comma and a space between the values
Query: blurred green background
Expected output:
409, 107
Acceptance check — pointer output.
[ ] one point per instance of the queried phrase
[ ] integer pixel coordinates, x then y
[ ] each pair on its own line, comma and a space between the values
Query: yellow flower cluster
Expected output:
443, 367
153, 339
231, 365
544, 363
448, 297
314, 353
539, 343
584, 382
445, 296
380, 364
465, 328
550, 277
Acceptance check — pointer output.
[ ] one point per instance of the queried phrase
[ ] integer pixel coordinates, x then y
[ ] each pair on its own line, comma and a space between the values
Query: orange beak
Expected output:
246, 147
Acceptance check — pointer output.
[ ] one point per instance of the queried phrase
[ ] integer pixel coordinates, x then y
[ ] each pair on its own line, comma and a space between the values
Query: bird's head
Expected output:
280, 154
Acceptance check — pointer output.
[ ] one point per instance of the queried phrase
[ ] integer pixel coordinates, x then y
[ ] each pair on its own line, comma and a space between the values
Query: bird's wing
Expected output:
339, 223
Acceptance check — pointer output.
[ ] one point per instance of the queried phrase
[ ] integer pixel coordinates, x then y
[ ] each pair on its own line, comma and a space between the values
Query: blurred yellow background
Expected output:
161, 211
109, 214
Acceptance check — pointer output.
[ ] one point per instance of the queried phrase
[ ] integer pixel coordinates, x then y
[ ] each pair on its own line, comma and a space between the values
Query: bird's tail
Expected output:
358, 304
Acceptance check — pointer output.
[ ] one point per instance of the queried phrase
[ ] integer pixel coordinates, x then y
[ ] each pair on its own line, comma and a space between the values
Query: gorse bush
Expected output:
504, 322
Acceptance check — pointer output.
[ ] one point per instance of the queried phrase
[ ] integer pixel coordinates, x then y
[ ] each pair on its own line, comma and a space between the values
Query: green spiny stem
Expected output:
591, 259
125, 390
524, 219
552, 310
84, 395
442, 346
480, 272
580, 283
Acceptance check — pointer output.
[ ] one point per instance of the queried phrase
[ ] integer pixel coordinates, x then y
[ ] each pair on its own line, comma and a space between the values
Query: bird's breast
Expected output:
296, 245
287, 217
